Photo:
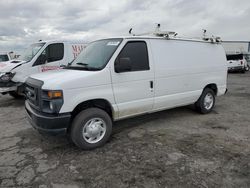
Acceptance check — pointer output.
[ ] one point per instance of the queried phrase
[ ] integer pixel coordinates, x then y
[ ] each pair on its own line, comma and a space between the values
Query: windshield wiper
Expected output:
86, 67
70, 63
83, 64
82, 68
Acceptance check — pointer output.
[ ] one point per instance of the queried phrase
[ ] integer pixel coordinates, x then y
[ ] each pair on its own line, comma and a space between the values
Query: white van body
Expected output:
39, 57
177, 73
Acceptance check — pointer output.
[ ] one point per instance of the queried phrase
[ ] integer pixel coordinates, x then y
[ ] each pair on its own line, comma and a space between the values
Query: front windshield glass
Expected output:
96, 55
4, 58
30, 52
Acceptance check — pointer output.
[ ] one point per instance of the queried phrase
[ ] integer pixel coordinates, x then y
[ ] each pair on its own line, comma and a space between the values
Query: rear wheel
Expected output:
91, 128
206, 101
247, 68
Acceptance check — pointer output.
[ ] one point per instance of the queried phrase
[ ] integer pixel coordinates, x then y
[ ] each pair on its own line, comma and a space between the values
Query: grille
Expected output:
31, 95
33, 90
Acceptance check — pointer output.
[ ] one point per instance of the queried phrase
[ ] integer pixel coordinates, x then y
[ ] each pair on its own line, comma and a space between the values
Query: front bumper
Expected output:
9, 86
8, 89
49, 124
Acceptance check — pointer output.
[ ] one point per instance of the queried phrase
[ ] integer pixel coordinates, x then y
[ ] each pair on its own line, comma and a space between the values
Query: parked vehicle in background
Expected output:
4, 56
117, 78
38, 57
237, 63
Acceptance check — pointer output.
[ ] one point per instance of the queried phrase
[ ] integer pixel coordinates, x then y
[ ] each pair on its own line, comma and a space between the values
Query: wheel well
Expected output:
98, 103
213, 87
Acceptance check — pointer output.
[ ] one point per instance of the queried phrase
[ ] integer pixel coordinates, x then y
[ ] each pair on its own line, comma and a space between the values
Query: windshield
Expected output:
96, 55
4, 58
30, 52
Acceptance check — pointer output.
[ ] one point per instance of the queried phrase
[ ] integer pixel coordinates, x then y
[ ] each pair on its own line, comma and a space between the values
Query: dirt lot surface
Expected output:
173, 148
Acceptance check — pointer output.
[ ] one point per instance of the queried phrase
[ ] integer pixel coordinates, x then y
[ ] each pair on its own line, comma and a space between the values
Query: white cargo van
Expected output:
39, 57
117, 78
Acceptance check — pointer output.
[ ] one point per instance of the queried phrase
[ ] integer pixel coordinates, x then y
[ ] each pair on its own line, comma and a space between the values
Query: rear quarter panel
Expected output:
184, 68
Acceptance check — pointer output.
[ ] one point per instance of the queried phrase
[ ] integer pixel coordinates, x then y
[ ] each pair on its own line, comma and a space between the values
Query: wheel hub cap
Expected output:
208, 101
94, 130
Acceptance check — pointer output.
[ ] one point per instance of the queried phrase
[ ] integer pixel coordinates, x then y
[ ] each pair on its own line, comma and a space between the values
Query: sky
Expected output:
23, 22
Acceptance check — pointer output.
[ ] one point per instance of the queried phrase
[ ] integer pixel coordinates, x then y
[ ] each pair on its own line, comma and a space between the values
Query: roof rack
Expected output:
212, 39
157, 32
173, 34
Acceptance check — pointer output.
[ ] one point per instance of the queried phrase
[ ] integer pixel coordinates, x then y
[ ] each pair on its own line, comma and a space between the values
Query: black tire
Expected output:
81, 120
15, 95
200, 104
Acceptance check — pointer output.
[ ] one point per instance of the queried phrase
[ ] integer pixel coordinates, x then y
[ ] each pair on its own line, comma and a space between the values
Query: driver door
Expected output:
134, 88
51, 58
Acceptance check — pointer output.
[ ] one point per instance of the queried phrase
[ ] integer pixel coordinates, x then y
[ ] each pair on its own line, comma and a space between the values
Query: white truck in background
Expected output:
121, 77
237, 63
37, 58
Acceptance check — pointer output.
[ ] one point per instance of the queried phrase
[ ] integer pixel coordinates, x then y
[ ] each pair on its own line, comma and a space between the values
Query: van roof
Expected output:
164, 38
132, 37
62, 40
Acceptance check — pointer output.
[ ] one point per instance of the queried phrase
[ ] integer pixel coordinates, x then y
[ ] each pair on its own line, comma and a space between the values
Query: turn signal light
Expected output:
55, 94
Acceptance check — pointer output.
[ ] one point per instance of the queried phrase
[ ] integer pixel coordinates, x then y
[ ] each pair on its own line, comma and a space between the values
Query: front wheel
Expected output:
206, 101
91, 128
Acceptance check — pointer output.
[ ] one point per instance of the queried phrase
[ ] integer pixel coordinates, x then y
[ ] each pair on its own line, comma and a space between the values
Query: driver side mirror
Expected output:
123, 64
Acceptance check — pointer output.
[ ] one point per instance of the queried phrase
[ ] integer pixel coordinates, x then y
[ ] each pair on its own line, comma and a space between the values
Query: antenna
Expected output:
157, 29
204, 33
130, 31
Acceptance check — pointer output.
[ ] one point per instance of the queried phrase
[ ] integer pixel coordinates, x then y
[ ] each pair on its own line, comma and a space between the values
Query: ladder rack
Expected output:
173, 34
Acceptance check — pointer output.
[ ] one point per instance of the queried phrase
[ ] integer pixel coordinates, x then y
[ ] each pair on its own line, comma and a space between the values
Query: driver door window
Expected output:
137, 53
52, 53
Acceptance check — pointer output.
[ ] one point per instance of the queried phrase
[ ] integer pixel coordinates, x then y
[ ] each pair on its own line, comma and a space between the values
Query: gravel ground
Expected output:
173, 148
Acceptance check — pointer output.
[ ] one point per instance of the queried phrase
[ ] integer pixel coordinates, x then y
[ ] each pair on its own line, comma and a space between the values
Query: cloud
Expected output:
26, 21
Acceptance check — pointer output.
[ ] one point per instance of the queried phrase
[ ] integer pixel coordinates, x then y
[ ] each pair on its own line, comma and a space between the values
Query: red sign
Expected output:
48, 68
77, 49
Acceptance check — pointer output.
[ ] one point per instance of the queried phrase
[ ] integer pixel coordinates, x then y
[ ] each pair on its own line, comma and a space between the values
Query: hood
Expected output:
72, 79
8, 66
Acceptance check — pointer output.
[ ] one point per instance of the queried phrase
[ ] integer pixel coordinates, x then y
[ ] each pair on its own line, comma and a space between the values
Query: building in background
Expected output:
236, 47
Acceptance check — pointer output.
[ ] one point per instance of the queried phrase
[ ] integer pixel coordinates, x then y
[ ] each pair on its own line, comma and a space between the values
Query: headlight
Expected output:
51, 105
6, 77
52, 101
